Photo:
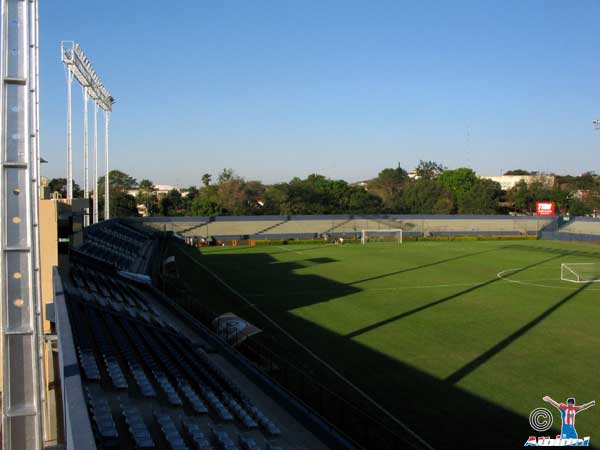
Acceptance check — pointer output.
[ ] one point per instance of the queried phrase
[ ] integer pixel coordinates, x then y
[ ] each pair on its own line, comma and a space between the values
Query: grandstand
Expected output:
152, 377
586, 229
582, 225
228, 228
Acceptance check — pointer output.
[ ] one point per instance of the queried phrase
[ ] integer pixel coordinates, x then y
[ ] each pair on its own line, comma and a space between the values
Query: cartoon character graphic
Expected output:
568, 412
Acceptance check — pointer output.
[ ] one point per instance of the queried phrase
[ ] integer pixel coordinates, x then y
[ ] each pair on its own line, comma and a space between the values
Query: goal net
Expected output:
393, 234
580, 272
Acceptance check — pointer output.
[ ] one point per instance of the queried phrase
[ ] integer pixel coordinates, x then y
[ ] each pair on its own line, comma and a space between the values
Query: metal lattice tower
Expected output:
19, 172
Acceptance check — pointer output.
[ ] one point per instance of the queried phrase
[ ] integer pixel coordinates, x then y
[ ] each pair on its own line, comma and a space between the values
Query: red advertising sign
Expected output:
545, 208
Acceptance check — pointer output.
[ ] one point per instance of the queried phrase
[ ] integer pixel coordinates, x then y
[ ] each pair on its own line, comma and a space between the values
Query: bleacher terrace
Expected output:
309, 227
150, 377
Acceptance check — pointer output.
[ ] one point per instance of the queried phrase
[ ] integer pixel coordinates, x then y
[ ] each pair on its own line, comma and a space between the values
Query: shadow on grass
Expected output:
483, 358
423, 266
552, 250
442, 413
443, 300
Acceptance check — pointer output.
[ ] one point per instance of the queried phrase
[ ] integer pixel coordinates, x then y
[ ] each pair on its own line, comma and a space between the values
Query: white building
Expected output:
510, 181
159, 190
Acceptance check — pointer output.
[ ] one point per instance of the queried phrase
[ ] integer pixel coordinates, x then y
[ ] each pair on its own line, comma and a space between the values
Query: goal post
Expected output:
580, 272
391, 234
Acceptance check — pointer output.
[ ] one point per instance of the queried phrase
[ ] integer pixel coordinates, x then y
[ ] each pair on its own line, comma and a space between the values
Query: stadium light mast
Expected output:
106, 178
20, 326
95, 206
86, 186
80, 67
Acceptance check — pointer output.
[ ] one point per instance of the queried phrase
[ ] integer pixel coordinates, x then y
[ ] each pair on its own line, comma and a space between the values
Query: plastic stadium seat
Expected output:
195, 434
170, 432
248, 443
224, 440
137, 427
103, 419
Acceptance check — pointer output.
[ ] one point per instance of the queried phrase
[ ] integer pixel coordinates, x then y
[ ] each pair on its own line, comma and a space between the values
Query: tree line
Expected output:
430, 189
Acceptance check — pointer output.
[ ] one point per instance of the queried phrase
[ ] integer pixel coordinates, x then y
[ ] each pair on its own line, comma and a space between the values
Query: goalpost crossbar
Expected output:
384, 231
580, 272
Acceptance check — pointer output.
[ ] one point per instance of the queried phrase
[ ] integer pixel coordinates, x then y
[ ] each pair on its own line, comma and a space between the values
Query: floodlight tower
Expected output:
20, 326
596, 124
78, 64
86, 186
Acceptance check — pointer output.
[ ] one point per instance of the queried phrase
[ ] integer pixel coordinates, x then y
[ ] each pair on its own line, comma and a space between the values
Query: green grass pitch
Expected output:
459, 339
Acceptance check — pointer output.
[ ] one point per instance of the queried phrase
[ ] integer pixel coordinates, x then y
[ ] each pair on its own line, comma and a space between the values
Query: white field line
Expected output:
312, 354
289, 251
300, 252
505, 273
387, 289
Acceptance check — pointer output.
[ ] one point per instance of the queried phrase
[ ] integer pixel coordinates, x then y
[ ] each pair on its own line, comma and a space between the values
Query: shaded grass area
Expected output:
427, 328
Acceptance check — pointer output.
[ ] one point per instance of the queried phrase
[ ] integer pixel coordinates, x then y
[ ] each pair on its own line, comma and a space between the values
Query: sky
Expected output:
277, 89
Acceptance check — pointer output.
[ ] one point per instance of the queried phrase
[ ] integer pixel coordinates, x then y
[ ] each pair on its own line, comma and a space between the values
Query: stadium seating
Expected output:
582, 225
120, 245
305, 227
139, 369
102, 418
310, 227
227, 228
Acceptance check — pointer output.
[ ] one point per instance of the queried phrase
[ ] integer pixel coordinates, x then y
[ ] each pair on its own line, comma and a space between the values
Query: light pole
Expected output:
106, 177
79, 67
69, 135
86, 169
95, 207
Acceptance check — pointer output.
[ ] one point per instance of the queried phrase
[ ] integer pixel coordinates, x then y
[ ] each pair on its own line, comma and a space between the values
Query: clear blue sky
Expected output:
276, 89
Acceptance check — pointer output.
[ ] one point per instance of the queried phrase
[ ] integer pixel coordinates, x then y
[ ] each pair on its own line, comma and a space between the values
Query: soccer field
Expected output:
459, 339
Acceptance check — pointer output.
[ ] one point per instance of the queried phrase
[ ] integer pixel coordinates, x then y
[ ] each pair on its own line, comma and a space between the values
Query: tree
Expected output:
192, 192
206, 178
359, 200
207, 204
579, 208
122, 205
60, 185
458, 181
147, 186
481, 198
171, 204
521, 197
226, 175
388, 185
147, 196
231, 196
276, 199
429, 169
254, 193
118, 181
427, 196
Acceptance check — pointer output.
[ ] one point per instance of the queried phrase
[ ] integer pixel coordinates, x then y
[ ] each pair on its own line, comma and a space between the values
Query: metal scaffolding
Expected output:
19, 265
78, 66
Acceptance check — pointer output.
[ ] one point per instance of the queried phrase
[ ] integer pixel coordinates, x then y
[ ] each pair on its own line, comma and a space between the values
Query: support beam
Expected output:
86, 168
96, 192
69, 135
19, 262
106, 178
